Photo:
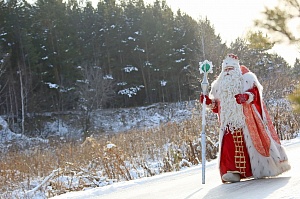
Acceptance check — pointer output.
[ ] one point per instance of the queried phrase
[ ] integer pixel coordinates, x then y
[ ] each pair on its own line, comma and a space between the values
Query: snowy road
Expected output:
187, 184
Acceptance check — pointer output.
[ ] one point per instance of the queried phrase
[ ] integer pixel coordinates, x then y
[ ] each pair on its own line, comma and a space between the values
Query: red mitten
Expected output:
241, 98
208, 101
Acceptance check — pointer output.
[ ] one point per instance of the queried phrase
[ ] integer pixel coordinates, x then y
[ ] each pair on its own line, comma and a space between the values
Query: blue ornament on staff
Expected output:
205, 68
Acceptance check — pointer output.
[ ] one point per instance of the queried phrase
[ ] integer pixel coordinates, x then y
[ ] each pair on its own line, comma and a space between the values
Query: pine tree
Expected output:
258, 41
277, 20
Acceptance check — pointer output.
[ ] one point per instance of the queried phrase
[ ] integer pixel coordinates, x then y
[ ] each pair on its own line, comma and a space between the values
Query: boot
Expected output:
231, 177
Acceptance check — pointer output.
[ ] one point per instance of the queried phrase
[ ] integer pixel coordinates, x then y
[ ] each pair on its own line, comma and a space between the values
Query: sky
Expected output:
231, 18
187, 184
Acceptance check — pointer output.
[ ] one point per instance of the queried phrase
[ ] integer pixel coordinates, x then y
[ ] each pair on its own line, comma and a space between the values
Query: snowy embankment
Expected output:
104, 121
187, 184
14, 141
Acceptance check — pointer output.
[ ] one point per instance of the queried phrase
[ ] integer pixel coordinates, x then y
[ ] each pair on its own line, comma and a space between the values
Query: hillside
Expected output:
67, 126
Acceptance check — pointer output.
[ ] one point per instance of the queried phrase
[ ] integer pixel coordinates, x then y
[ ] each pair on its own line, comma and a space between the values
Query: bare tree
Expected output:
95, 91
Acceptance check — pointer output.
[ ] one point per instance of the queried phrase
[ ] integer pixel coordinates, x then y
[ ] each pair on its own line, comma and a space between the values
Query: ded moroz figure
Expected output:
249, 145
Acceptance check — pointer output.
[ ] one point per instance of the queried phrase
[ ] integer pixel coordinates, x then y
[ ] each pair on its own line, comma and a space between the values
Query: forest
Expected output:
59, 57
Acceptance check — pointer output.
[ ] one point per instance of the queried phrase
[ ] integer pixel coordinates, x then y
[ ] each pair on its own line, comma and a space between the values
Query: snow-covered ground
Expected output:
187, 184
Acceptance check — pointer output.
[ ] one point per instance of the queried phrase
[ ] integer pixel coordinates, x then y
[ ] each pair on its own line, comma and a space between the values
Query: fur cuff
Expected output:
251, 97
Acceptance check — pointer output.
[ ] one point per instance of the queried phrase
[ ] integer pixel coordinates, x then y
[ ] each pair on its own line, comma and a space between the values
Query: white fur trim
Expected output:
229, 61
249, 80
251, 97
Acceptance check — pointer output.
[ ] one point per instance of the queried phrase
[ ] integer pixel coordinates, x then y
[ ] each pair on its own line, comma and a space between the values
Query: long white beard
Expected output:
231, 115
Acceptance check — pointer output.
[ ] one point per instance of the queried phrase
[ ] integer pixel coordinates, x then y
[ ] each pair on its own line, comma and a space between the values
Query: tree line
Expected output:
57, 56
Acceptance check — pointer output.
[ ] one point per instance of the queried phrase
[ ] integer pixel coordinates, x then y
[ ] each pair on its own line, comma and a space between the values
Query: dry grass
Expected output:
96, 164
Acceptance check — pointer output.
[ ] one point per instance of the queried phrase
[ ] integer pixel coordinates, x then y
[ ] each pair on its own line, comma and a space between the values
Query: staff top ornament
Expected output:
205, 67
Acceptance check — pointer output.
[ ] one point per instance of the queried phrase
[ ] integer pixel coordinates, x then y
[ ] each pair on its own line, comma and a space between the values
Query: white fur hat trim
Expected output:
231, 60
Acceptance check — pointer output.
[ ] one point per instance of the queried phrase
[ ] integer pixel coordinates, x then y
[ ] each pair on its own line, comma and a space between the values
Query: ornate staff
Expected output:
205, 68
